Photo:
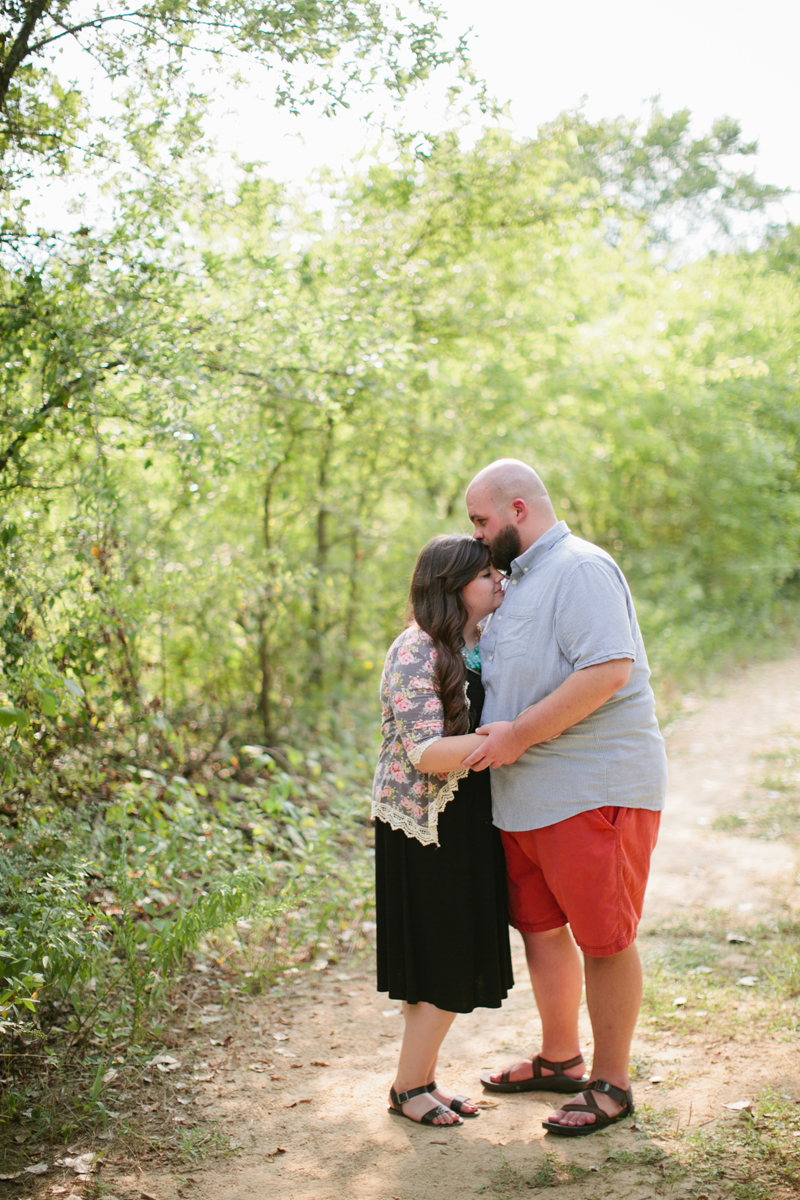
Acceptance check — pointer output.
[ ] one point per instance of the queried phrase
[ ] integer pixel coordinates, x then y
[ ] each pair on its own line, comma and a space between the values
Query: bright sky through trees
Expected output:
715, 57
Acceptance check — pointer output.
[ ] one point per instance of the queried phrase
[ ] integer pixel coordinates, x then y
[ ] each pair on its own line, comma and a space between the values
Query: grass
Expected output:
773, 807
697, 977
551, 1172
754, 1155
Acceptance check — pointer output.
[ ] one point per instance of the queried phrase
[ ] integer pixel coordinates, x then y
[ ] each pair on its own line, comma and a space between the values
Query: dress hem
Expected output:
462, 1012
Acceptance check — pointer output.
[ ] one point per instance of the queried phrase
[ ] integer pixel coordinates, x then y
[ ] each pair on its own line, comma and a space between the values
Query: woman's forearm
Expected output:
449, 753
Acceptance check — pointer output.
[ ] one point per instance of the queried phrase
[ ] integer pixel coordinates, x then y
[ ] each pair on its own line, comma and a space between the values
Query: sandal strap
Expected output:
590, 1105
619, 1094
404, 1097
558, 1068
429, 1117
456, 1104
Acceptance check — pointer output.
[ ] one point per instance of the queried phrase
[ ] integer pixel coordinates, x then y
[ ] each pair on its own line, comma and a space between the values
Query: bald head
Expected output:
509, 507
506, 480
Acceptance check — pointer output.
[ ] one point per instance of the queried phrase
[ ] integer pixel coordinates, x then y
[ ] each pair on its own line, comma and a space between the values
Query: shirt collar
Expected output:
526, 560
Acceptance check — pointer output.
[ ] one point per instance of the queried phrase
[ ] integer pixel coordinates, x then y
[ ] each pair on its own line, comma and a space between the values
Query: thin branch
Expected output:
95, 23
19, 49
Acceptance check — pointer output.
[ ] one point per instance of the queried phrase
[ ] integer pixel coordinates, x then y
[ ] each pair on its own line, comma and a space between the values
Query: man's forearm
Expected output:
581, 694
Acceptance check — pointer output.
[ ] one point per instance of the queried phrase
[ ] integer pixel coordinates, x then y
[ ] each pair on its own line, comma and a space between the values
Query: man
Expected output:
578, 782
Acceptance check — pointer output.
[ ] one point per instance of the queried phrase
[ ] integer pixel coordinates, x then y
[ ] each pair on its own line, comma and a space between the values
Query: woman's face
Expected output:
483, 594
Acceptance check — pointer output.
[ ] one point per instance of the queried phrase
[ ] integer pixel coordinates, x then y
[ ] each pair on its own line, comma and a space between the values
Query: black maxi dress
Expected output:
442, 911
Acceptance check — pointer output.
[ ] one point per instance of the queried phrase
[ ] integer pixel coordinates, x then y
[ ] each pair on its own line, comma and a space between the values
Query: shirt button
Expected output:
514, 581
525, 569
491, 656
499, 618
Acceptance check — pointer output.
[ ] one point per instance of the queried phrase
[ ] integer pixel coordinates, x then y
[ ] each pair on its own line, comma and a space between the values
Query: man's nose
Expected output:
478, 535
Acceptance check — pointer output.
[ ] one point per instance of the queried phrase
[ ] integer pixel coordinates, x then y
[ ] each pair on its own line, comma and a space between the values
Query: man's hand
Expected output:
501, 746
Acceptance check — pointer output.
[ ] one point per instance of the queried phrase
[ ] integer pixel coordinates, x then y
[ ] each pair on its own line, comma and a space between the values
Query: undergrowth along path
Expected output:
294, 1086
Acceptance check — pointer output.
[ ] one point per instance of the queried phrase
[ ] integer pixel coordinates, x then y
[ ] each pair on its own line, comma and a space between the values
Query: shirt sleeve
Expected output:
594, 616
416, 705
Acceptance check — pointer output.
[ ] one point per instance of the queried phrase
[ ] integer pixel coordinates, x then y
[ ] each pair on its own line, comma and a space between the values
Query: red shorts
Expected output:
589, 871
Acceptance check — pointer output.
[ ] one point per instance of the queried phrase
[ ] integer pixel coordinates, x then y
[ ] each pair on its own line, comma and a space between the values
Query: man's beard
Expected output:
505, 547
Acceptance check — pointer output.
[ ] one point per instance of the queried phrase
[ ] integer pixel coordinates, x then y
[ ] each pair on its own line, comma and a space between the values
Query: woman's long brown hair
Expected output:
445, 566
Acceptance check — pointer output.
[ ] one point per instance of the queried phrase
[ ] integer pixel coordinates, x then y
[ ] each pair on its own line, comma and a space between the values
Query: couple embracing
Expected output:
524, 656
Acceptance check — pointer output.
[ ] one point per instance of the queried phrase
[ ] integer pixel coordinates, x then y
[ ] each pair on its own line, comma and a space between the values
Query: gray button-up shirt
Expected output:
567, 606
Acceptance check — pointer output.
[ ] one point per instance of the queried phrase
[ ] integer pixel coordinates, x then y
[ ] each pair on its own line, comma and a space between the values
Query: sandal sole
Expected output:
548, 1083
582, 1130
426, 1124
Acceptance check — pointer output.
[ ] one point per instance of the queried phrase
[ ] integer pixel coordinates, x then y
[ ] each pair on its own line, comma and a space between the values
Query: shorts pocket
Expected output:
612, 817
516, 631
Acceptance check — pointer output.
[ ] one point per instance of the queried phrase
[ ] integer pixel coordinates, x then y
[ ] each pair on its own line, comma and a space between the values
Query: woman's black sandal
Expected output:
601, 1119
557, 1082
456, 1105
428, 1118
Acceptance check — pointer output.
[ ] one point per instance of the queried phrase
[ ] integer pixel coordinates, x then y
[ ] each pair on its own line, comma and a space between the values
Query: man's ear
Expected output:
520, 510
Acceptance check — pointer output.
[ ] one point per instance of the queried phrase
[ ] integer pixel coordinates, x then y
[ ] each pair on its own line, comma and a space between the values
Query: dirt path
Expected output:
299, 1087
713, 757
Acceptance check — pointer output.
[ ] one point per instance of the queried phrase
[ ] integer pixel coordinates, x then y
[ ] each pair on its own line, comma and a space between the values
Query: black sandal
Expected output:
557, 1082
428, 1118
601, 1119
457, 1103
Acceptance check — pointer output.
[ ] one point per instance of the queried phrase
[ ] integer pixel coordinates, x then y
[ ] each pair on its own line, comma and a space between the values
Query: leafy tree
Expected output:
331, 47
674, 182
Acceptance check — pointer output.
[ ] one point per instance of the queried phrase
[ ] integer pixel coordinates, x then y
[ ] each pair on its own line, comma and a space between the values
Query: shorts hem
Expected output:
538, 926
615, 947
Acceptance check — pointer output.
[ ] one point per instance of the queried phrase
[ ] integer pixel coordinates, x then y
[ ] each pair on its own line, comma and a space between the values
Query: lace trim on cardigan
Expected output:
399, 819
416, 752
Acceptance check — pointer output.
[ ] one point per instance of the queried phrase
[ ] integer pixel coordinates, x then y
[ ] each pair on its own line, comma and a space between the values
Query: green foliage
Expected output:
231, 464
96, 940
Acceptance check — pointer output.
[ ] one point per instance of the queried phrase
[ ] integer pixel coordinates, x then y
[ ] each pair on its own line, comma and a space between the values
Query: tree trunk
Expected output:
315, 633
265, 659
353, 580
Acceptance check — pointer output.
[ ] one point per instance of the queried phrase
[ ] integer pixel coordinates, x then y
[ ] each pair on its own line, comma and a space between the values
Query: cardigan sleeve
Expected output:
413, 718
415, 703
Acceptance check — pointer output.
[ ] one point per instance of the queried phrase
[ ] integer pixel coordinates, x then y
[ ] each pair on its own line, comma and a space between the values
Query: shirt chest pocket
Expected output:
515, 632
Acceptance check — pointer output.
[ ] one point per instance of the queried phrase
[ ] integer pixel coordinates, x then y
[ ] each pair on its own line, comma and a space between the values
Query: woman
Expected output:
441, 912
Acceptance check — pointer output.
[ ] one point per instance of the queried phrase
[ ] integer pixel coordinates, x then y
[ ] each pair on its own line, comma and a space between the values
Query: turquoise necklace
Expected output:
472, 658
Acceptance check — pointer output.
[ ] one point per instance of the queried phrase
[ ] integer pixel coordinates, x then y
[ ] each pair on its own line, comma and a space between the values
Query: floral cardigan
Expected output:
413, 719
